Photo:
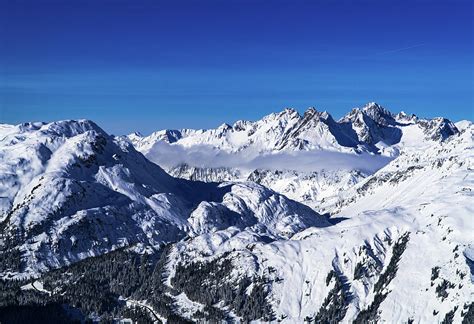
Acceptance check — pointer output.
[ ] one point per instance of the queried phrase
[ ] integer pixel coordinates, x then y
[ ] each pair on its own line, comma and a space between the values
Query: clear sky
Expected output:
148, 65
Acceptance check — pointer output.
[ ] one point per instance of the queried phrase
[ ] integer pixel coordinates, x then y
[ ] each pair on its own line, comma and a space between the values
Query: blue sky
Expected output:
148, 65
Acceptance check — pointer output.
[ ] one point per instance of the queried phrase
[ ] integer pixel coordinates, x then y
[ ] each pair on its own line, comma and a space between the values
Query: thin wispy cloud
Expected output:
392, 51
400, 49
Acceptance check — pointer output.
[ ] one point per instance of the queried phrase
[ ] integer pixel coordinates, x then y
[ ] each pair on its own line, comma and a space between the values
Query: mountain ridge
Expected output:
359, 130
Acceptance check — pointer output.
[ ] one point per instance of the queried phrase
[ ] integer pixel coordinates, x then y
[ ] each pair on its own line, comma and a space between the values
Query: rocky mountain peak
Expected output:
311, 111
402, 116
438, 129
289, 111
378, 114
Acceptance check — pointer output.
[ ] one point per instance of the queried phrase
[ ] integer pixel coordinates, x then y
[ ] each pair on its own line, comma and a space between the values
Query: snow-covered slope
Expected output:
70, 191
309, 188
400, 249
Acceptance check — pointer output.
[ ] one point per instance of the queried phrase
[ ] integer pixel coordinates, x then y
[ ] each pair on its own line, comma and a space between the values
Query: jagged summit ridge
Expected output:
362, 129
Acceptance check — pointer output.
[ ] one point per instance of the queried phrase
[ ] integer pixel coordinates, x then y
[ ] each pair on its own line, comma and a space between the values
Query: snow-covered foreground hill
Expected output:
111, 235
71, 191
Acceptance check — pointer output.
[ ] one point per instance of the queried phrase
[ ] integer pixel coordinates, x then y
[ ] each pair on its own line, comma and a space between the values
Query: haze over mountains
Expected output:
291, 218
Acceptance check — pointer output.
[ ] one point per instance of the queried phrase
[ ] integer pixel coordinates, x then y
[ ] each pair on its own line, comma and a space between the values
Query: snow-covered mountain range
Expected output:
308, 158
371, 128
290, 218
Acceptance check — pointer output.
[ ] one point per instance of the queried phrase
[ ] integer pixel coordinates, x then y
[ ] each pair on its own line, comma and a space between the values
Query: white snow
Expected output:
73, 192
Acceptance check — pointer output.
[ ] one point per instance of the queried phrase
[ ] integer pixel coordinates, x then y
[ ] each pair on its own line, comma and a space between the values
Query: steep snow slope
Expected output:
399, 250
463, 125
249, 205
71, 191
309, 188
444, 157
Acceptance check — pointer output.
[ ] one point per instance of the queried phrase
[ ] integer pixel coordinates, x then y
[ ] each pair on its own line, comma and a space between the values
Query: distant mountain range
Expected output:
368, 129
289, 218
